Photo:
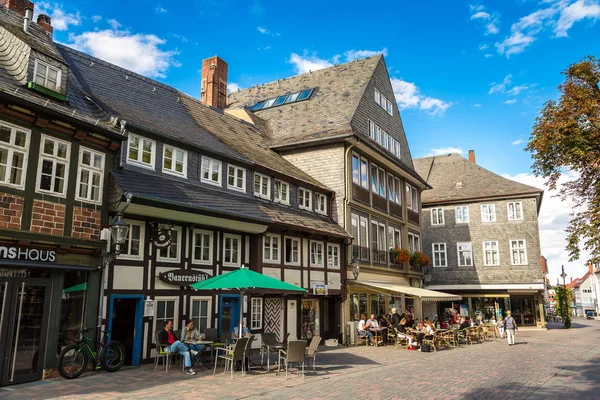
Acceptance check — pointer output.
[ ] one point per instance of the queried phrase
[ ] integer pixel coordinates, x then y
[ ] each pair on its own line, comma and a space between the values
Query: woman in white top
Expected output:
362, 329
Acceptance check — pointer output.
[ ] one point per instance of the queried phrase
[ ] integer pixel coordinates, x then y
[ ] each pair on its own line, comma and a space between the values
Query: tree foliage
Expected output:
564, 299
566, 139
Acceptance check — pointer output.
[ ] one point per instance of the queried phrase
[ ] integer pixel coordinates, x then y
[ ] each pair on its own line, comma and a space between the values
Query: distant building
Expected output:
583, 295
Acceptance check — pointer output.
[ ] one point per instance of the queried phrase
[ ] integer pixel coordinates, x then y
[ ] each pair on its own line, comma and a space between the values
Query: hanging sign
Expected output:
161, 234
320, 289
24, 254
183, 277
149, 308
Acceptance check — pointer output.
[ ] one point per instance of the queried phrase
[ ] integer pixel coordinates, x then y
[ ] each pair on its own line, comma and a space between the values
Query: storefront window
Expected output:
310, 319
358, 306
72, 306
378, 304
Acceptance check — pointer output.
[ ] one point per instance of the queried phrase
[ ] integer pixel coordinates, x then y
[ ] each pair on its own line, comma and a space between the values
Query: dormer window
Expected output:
47, 76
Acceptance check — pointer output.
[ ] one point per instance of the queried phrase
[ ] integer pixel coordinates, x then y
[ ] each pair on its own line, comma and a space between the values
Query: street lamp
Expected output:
355, 269
118, 232
563, 275
426, 276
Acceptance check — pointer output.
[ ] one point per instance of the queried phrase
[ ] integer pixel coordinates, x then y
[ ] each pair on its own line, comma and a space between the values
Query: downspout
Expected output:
347, 196
123, 123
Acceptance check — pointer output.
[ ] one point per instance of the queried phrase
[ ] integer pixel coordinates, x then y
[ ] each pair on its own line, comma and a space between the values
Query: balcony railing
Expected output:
379, 256
360, 253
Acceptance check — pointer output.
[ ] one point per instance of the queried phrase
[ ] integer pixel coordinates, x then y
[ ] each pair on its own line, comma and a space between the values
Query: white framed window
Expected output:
437, 216
232, 245
488, 212
491, 253
305, 199
46, 75
262, 186
202, 246
211, 171
383, 102
390, 108
90, 175
320, 203
166, 309
53, 166
360, 171
256, 313
133, 249
518, 252
412, 198
236, 178
316, 254
271, 248
462, 214
360, 232
378, 242
377, 97
515, 210
14, 152
333, 256
414, 242
439, 254
394, 238
292, 251
172, 252
465, 254
174, 161
141, 151
200, 312
282, 192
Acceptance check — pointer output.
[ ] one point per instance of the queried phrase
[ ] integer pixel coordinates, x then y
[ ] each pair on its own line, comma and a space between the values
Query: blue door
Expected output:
229, 315
126, 324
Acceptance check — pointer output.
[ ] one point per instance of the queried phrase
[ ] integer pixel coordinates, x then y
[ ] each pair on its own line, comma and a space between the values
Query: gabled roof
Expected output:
455, 178
578, 281
327, 114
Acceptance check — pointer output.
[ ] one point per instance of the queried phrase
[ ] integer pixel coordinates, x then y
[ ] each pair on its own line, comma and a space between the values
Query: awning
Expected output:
44, 265
423, 294
77, 288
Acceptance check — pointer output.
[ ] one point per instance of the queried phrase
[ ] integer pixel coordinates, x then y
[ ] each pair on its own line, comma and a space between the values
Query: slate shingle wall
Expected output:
476, 232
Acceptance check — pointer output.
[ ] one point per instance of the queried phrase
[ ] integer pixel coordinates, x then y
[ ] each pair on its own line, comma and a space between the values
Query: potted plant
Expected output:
418, 259
400, 256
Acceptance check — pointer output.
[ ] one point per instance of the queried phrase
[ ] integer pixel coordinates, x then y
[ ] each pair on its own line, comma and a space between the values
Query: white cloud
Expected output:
408, 96
489, 21
515, 44
180, 37
488, 55
577, 11
553, 219
510, 102
307, 63
161, 10
491, 29
483, 47
480, 15
140, 53
114, 23
517, 142
477, 105
502, 86
232, 87
262, 30
445, 150
96, 18
60, 19
354, 54
517, 89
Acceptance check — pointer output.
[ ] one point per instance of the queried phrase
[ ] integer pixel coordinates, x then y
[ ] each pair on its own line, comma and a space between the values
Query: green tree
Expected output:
564, 299
566, 139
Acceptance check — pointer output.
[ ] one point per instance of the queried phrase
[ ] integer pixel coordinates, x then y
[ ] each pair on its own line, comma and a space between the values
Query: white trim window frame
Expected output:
172, 252
166, 315
282, 192
202, 246
360, 171
236, 178
377, 97
515, 210
211, 171
440, 256
390, 108
90, 176
491, 253
291, 252
53, 166
138, 153
134, 240
14, 153
488, 213
271, 248
518, 252
412, 197
437, 216
333, 256
197, 314
262, 186
320, 203
44, 73
414, 242
317, 256
462, 214
256, 313
178, 160
304, 199
464, 253
232, 250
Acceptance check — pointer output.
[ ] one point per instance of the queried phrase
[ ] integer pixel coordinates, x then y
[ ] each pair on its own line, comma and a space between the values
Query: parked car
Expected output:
590, 315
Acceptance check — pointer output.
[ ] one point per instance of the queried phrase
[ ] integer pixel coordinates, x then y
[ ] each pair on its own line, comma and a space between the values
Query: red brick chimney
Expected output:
472, 156
45, 22
214, 82
19, 5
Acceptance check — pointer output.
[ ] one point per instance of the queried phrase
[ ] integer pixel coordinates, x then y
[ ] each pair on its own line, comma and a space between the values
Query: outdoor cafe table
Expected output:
378, 334
278, 346
198, 359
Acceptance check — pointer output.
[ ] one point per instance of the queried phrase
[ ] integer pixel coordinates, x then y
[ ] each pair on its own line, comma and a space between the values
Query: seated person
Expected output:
395, 319
443, 324
479, 321
167, 338
191, 334
382, 321
402, 333
235, 331
428, 329
464, 323
363, 330
372, 322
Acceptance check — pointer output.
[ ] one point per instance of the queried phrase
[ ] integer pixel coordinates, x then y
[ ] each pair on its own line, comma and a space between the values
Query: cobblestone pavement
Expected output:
553, 364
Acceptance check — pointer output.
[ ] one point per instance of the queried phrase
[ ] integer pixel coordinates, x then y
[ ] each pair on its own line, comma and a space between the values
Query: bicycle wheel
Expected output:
113, 356
72, 361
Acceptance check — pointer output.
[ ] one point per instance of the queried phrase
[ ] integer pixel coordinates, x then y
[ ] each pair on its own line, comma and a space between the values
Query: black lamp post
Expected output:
426, 276
118, 232
355, 269
563, 275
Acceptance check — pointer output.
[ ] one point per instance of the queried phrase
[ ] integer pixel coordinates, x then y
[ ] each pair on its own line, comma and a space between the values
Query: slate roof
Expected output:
328, 112
444, 172
222, 202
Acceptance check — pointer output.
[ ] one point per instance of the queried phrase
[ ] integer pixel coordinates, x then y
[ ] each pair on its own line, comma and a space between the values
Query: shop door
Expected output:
24, 306
274, 317
230, 314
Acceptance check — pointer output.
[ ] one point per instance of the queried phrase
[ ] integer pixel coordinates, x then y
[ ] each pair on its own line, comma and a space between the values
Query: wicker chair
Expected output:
232, 356
432, 341
473, 334
399, 341
295, 353
463, 336
313, 347
358, 337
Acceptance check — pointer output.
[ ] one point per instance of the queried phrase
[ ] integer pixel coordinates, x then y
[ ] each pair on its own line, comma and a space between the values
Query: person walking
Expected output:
510, 326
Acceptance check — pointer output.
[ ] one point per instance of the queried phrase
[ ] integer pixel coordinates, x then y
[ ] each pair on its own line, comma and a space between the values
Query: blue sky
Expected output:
467, 75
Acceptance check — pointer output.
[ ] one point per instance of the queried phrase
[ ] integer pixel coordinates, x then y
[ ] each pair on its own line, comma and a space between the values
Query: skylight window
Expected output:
283, 99
293, 97
305, 94
269, 103
280, 100
257, 106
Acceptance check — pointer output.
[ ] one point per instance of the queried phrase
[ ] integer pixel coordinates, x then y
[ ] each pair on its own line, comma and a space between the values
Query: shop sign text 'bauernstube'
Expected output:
183, 277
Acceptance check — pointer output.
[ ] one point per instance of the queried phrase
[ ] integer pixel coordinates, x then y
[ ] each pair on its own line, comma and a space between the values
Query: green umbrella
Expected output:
244, 280
77, 288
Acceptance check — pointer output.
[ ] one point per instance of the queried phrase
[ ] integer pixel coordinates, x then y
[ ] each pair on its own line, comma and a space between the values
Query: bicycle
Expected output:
74, 358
